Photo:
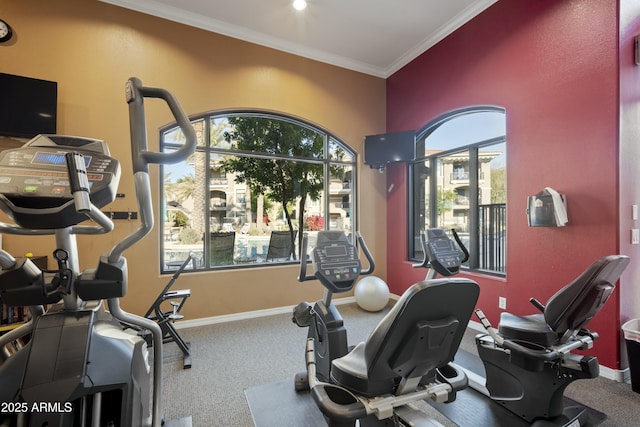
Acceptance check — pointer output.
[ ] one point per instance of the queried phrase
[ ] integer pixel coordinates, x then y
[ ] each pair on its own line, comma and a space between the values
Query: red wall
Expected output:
553, 65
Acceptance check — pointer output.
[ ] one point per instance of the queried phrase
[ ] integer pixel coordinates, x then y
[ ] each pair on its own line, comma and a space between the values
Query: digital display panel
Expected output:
444, 244
56, 159
335, 250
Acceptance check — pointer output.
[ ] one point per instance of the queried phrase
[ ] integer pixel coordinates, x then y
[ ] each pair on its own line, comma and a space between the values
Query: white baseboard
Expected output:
192, 323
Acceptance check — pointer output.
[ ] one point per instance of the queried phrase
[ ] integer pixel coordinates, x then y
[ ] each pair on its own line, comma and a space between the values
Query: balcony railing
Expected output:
218, 181
458, 176
493, 237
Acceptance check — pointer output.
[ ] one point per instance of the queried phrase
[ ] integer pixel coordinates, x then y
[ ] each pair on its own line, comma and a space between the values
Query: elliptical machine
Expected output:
406, 358
79, 366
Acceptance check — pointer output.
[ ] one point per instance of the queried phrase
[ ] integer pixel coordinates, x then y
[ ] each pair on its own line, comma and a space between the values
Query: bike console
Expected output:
441, 253
335, 261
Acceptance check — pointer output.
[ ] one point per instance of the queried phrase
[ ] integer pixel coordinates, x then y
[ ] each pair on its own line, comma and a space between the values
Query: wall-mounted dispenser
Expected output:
548, 208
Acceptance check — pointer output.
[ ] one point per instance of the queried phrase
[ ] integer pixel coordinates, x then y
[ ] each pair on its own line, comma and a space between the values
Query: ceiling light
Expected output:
299, 4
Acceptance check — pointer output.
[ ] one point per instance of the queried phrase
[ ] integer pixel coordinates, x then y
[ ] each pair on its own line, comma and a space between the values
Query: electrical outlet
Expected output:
502, 303
635, 236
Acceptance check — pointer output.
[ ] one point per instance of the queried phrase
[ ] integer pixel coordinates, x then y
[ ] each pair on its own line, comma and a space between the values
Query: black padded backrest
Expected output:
573, 306
280, 246
423, 330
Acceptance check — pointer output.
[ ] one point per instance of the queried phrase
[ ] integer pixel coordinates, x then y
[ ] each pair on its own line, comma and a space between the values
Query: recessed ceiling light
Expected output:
299, 4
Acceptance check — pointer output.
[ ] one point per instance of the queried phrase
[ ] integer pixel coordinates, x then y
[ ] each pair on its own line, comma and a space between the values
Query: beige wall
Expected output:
91, 49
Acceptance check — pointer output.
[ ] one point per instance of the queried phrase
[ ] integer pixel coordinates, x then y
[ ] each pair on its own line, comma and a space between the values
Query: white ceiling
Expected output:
375, 37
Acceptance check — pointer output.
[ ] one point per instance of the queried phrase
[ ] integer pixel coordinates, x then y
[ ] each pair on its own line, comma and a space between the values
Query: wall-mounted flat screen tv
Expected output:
389, 147
28, 106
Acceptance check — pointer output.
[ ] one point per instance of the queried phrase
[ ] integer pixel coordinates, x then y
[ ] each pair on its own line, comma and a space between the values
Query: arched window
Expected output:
459, 180
255, 183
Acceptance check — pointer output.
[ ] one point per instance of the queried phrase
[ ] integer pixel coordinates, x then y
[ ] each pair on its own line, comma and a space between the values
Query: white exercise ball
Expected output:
372, 293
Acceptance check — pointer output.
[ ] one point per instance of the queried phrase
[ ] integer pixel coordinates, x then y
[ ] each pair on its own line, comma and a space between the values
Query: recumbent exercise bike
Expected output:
80, 367
406, 358
528, 360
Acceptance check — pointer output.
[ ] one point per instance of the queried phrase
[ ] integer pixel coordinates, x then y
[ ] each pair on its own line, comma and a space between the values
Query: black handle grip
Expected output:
367, 254
302, 277
464, 249
78, 181
135, 93
425, 258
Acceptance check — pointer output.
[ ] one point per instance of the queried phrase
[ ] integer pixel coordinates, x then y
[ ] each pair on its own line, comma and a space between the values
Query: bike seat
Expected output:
569, 309
533, 329
420, 334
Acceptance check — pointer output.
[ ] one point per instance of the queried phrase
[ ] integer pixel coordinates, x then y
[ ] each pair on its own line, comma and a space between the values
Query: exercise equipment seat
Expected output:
569, 309
414, 343
529, 360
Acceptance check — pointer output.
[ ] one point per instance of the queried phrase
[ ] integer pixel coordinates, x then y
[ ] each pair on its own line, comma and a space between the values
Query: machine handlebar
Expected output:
330, 408
141, 158
78, 181
135, 94
463, 248
367, 254
425, 258
583, 340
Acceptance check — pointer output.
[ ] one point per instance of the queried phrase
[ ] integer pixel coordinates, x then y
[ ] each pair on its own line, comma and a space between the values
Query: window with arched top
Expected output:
459, 181
255, 183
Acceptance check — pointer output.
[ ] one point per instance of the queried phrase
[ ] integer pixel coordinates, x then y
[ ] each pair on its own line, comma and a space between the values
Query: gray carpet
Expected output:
232, 357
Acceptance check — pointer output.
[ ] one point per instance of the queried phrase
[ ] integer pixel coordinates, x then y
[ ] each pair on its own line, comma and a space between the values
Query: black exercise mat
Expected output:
278, 404
472, 408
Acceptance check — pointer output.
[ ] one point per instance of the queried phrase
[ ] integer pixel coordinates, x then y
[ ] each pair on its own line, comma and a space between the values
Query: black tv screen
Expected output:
389, 147
28, 106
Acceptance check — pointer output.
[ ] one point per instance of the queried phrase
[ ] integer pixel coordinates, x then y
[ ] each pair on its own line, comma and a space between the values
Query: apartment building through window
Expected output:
459, 181
253, 174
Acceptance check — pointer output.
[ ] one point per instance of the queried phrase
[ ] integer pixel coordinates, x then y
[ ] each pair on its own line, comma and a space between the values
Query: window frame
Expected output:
473, 189
330, 142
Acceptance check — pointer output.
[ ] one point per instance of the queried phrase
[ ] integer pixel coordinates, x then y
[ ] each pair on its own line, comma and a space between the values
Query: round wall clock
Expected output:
5, 31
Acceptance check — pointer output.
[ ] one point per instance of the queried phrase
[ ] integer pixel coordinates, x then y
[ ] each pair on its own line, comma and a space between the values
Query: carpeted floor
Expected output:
229, 358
